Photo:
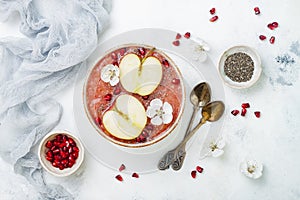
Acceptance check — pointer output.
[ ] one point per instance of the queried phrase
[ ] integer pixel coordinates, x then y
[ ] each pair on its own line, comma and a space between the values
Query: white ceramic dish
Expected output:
145, 160
257, 67
47, 164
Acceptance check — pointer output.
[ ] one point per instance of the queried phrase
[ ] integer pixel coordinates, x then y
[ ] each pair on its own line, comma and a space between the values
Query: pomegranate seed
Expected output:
235, 112
49, 154
187, 35
262, 37
194, 173
214, 18
146, 97
270, 26
114, 56
64, 162
244, 111
135, 175
57, 157
245, 105
256, 10
72, 142
142, 51
178, 36
122, 167
61, 167
199, 169
115, 63
257, 114
275, 24
119, 178
49, 159
107, 97
149, 127
56, 151
58, 137
272, 40
212, 11
117, 90
176, 43
176, 81
75, 155
76, 149
98, 121
48, 144
122, 51
166, 63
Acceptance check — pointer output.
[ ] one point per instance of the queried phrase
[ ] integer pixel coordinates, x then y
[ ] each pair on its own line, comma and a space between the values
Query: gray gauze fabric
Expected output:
58, 36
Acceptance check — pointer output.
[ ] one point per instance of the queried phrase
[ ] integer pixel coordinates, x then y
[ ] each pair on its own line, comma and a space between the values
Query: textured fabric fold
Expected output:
58, 36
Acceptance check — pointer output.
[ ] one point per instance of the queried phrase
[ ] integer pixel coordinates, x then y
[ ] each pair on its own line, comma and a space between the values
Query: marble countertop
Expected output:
272, 139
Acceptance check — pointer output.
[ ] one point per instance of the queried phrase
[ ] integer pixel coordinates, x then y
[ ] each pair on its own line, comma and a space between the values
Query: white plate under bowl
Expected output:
145, 159
257, 66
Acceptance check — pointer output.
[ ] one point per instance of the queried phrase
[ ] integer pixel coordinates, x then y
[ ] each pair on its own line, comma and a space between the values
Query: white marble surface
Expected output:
273, 139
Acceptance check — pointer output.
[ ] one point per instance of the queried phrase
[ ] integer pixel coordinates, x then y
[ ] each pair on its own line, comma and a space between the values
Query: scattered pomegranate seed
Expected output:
214, 18
235, 112
256, 10
275, 24
122, 167
141, 51
175, 81
245, 105
166, 63
119, 178
146, 97
244, 111
187, 35
107, 97
135, 175
257, 114
194, 174
262, 37
270, 26
199, 169
178, 36
212, 11
176, 43
61, 154
114, 56
272, 40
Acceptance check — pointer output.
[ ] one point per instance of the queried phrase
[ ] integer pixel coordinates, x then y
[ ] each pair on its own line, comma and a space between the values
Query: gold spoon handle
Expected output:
168, 158
180, 152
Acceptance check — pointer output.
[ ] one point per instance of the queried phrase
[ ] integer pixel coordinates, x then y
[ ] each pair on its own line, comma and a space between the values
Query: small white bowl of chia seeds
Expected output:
240, 67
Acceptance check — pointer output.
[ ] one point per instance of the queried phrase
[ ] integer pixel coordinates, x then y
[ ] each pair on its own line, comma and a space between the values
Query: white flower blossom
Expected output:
252, 169
199, 48
159, 112
110, 74
216, 148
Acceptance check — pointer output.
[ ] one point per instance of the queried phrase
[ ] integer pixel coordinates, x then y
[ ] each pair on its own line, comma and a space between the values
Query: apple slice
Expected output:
126, 119
140, 76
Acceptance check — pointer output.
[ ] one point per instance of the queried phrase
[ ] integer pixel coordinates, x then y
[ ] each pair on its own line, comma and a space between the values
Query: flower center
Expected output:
160, 112
213, 147
199, 48
251, 169
112, 74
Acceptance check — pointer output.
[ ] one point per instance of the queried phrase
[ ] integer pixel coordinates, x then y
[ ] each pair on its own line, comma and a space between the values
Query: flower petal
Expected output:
157, 102
217, 152
167, 118
114, 81
156, 121
167, 108
221, 144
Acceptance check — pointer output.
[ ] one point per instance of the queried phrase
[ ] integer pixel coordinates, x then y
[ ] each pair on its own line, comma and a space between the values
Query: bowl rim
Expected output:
257, 66
157, 139
55, 171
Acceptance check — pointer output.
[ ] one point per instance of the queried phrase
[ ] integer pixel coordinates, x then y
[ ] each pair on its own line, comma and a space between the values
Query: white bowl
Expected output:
257, 66
47, 165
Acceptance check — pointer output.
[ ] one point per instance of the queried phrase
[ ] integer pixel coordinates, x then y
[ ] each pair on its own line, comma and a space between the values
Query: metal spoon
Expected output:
199, 97
210, 112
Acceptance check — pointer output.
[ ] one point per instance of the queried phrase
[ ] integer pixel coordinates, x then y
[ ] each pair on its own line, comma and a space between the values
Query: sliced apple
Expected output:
140, 76
126, 119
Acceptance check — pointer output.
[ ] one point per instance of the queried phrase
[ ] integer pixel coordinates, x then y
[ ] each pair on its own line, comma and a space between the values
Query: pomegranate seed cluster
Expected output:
194, 172
62, 151
120, 178
245, 106
178, 36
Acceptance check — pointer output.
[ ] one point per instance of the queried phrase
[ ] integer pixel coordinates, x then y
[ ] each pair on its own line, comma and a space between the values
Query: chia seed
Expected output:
239, 67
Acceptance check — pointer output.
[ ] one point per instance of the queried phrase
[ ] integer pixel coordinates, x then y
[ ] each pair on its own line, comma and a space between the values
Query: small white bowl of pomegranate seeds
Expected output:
61, 153
240, 67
